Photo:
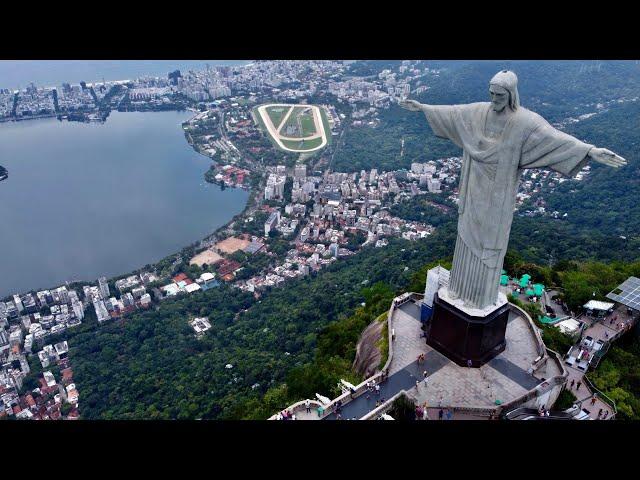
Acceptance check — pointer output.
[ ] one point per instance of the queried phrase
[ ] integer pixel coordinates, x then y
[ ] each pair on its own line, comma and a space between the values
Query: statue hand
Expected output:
411, 105
607, 157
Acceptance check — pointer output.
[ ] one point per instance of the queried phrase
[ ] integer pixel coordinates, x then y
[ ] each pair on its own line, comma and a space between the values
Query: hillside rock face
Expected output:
367, 352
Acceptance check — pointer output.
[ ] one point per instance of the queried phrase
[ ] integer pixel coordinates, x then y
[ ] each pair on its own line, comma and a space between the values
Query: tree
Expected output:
403, 409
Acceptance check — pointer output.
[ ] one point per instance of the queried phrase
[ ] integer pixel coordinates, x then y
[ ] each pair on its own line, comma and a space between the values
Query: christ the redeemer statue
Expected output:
498, 139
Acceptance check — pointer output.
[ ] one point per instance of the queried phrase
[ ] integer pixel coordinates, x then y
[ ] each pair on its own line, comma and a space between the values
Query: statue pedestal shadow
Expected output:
462, 336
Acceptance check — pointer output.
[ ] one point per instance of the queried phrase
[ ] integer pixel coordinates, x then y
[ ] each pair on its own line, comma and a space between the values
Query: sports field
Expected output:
276, 114
299, 123
294, 128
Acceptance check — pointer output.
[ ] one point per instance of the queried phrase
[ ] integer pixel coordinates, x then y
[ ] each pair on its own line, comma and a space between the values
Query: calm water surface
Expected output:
86, 199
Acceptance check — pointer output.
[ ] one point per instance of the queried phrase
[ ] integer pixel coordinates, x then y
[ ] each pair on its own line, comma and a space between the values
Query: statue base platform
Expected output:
463, 334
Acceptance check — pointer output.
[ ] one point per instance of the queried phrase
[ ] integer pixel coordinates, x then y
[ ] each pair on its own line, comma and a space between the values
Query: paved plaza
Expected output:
503, 379
452, 388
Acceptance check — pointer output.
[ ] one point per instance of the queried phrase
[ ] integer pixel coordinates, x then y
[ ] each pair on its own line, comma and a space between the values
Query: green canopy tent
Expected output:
524, 281
504, 279
538, 288
529, 292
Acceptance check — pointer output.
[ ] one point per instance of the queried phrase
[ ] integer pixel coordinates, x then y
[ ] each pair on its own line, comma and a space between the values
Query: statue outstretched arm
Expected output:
606, 157
443, 119
412, 105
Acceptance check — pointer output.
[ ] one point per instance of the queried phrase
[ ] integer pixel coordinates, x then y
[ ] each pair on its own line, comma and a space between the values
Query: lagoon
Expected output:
87, 199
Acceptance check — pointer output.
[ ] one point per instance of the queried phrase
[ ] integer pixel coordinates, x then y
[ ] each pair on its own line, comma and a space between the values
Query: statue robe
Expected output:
488, 185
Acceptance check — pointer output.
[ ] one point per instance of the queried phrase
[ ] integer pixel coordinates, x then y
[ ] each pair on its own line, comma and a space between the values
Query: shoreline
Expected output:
196, 241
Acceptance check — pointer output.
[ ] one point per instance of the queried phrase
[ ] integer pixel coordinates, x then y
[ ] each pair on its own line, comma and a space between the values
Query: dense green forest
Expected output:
618, 376
152, 366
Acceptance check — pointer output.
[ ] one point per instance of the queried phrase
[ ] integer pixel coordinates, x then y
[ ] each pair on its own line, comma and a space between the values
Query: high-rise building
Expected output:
272, 222
104, 287
101, 311
78, 310
18, 303
300, 171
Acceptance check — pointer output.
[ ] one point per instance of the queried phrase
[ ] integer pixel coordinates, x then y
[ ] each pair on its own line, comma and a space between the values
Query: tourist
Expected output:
338, 417
606, 412
449, 414
352, 392
425, 379
469, 363
578, 385
425, 414
377, 389
307, 405
440, 414
320, 411
573, 382
593, 399
417, 383
599, 413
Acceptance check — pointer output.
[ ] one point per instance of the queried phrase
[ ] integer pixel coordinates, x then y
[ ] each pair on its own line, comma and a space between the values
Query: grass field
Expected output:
302, 145
293, 121
306, 124
276, 114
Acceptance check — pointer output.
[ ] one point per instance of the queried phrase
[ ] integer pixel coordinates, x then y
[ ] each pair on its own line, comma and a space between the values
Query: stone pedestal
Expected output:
462, 334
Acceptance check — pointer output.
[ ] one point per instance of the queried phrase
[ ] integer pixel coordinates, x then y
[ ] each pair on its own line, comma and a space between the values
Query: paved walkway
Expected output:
599, 329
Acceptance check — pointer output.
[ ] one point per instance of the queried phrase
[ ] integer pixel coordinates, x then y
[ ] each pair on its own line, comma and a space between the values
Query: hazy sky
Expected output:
19, 73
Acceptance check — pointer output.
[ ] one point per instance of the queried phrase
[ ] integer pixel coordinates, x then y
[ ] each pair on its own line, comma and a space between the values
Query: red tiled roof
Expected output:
180, 277
228, 266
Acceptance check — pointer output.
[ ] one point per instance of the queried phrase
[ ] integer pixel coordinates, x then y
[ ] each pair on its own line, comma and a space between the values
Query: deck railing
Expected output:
601, 396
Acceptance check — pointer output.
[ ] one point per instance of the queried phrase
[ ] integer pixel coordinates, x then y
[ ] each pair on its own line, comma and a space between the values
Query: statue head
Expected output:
503, 89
